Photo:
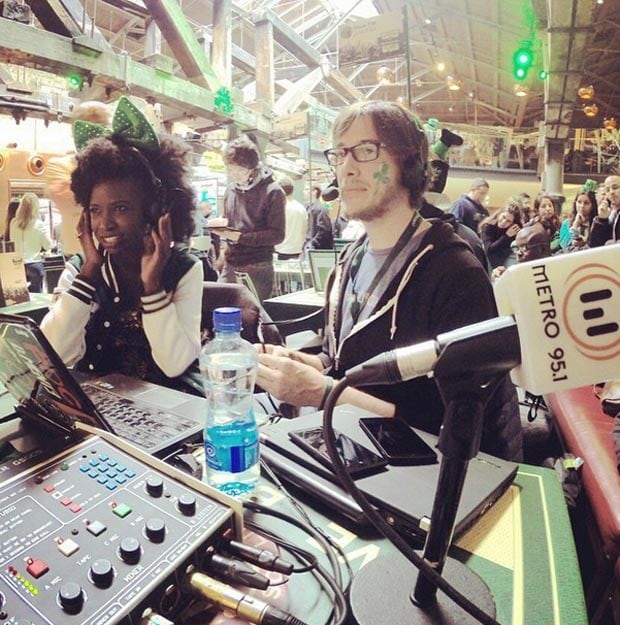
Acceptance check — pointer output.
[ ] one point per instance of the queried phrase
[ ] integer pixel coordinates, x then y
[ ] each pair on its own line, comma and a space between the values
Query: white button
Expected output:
99, 347
106, 324
117, 299
91, 366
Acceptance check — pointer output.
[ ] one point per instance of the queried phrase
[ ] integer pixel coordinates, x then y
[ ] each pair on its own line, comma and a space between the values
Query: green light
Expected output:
543, 75
74, 81
520, 73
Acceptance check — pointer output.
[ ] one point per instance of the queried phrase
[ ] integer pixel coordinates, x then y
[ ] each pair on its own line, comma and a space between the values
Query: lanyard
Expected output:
358, 301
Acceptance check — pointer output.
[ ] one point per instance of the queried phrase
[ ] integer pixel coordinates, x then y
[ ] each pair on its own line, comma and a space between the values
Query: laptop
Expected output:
155, 418
321, 264
402, 494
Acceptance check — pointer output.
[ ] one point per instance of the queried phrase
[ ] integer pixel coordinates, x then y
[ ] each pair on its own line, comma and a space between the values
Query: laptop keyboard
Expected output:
140, 424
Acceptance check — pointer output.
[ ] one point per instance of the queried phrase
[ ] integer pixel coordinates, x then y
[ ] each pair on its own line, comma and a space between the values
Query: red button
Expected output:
37, 568
65, 501
75, 508
49, 488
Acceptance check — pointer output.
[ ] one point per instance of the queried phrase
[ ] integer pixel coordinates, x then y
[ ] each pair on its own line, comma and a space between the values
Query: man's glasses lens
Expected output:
362, 153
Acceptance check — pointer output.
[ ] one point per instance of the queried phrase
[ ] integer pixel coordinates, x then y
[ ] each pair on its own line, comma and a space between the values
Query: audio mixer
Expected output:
96, 536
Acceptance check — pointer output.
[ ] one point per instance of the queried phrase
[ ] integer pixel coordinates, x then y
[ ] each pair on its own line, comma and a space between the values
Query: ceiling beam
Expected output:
179, 35
118, 73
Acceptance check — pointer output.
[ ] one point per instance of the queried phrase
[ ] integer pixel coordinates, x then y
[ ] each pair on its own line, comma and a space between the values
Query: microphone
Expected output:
331, 192
244, 605
559, 329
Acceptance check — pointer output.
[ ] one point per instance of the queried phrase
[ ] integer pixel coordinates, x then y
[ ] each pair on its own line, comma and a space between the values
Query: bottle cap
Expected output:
227, 319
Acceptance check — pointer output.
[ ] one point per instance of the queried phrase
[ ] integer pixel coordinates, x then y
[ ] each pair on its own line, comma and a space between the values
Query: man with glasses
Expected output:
606, 225
405, 281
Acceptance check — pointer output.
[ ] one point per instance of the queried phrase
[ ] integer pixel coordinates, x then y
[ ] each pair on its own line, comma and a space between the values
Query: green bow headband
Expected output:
590, 185
128, 122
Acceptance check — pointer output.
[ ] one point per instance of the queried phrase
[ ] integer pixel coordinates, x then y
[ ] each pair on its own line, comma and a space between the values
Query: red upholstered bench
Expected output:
585, 431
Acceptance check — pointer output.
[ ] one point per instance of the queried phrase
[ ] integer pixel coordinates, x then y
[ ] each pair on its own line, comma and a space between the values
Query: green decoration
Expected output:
223, 101
128, 121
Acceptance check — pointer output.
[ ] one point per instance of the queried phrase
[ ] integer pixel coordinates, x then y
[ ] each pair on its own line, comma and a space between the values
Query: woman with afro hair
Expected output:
130, 302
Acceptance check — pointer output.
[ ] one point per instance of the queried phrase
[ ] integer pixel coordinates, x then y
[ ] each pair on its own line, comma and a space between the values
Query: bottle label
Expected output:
233, 459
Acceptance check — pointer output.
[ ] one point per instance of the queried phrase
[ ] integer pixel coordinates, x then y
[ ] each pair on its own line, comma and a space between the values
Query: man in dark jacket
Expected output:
320, 230
253, 218
469, 209
402, 283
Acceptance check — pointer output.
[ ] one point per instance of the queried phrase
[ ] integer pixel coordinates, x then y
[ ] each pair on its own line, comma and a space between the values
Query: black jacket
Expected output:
258, 212
440, 287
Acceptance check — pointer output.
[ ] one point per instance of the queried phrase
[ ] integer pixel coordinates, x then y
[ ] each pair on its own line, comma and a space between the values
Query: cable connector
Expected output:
236, 572
260, 557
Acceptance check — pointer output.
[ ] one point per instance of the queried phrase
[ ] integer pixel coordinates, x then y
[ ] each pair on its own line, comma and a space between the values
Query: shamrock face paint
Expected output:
382, 175
368, 189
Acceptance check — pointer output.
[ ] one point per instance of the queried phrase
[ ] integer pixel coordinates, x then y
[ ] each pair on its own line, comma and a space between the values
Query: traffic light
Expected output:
522, 60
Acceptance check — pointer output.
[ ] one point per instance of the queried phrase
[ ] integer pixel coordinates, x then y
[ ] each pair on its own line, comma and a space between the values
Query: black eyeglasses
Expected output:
363, 152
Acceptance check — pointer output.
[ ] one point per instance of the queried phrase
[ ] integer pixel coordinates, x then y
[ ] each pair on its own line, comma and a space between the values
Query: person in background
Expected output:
531, 243
295, 224
469, 208
10, 213
575, 229
320, 235
31, 238
254, 219
606, 224
547, 218
527, 209
57, 178
405, 281
130, 302
498, 233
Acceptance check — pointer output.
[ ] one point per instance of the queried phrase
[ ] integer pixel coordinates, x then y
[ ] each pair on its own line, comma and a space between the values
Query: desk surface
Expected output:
35, 308
522, 548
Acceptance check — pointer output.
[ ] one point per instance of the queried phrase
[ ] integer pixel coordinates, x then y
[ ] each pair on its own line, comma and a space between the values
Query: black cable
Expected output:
324, 579
287, 322
327, 545
378, 521
300, 510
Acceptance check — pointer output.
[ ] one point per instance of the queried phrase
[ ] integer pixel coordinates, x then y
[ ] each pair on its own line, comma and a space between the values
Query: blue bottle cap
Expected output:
227, 319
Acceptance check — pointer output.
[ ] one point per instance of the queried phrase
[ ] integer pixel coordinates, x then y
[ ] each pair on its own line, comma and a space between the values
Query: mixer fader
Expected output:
96, 536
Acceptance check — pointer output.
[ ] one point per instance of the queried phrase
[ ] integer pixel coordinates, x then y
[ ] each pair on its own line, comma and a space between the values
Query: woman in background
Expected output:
547, 218
130, 302
498, 233
10, 213
28, 233
575, 229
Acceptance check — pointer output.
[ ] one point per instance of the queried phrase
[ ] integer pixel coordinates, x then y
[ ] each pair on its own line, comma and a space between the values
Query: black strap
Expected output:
358, 302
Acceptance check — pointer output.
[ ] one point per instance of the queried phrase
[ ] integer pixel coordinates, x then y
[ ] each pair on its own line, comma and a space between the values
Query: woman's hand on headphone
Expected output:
93, 260
157, 247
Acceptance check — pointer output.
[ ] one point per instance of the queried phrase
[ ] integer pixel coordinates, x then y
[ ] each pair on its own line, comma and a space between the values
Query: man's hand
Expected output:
291, 381
157, 245
604, 209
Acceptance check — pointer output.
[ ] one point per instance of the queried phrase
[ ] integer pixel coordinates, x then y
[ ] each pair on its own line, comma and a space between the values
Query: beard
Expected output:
376, 207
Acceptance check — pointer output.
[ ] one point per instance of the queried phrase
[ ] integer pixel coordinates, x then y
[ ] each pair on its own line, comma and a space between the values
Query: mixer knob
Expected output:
155, 530
102, 573
71, 597
155, 486
187, 504
130, 550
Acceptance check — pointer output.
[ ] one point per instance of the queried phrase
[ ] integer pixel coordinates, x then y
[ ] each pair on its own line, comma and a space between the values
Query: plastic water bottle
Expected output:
228, 364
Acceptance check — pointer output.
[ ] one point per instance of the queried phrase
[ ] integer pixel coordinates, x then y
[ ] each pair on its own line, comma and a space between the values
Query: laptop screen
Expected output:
37, 378
321, 264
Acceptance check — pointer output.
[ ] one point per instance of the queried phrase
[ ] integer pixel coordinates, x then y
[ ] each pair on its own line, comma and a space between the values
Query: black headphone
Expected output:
160, 204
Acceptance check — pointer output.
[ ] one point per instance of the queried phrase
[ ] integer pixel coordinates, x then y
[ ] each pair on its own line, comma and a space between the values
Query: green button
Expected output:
122, 510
